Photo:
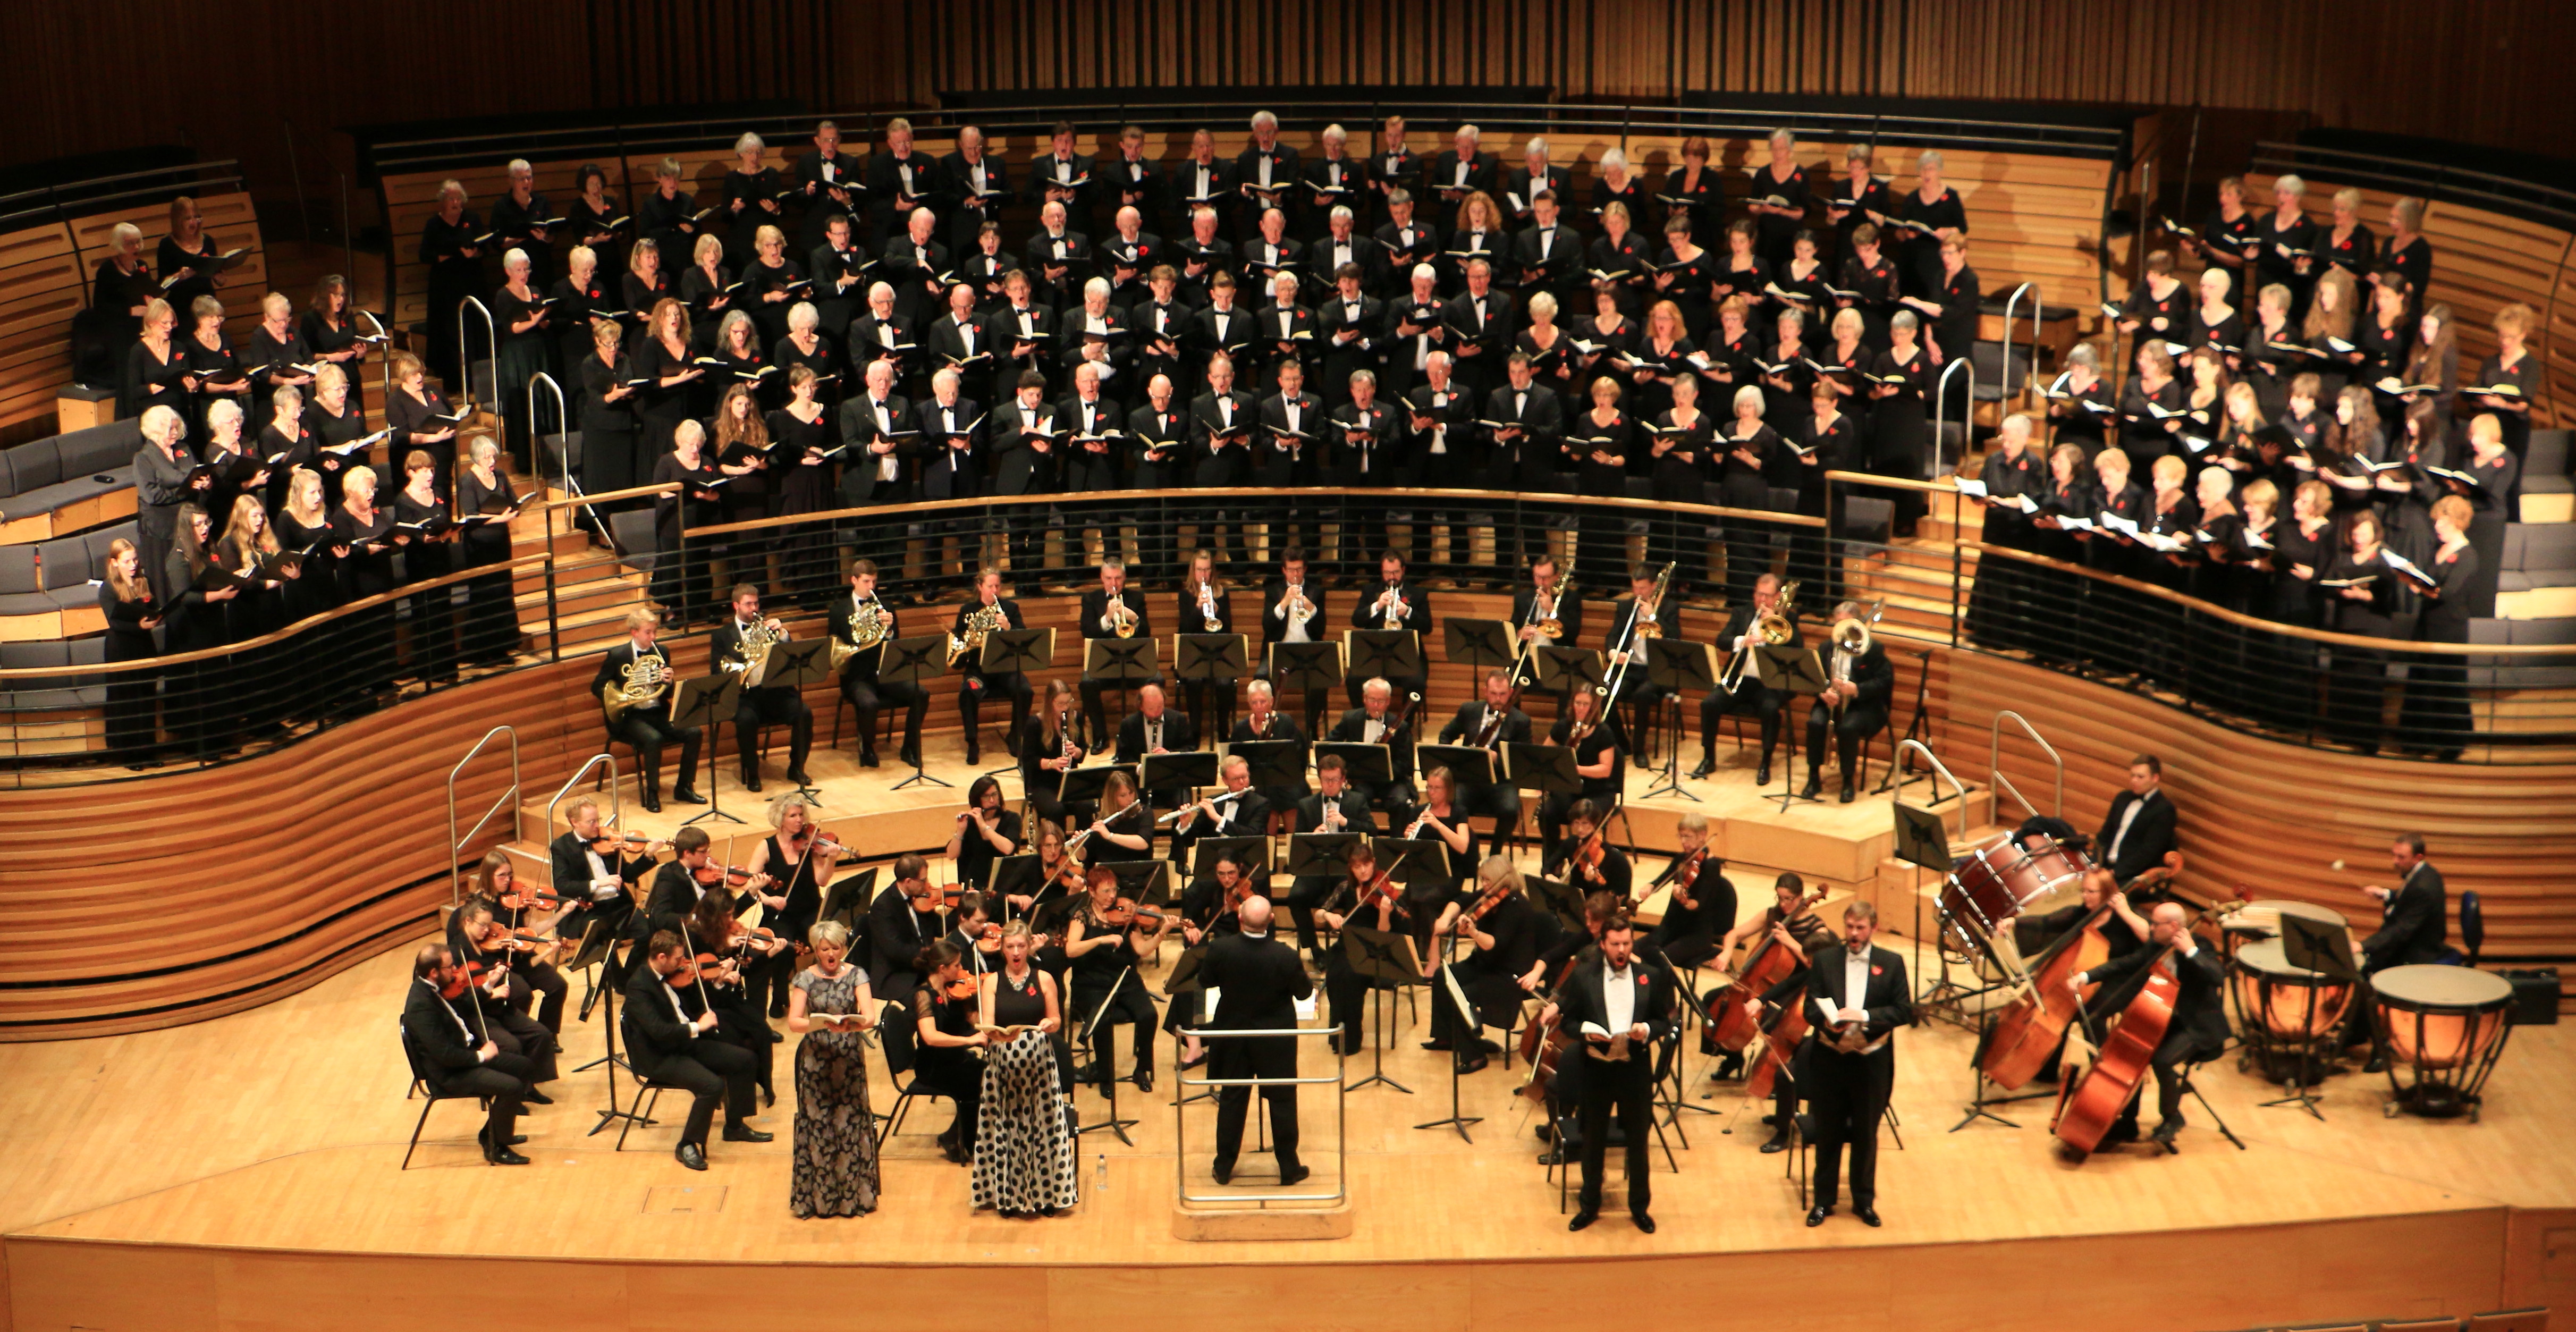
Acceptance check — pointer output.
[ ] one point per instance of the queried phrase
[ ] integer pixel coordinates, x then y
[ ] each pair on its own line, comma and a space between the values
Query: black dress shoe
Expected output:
911, 755
799, 777
746, 1133
1816, 1216
1489, 1047
535, 1097
777, 1037
1762, 774
1225, 1172
1868, 1215
1144, 1079
1436, 1045
1472, 1065
652, 803
1187, 1064
974, 754
1849, 793
1295, 1174
1583, 1218
1707, 765
505, 1157
1086, 1073
867, 758
483, 1138
2377, 1064
692, 1155
1815, 787
686, 796
1779, 1143
1644, 1222
751, 782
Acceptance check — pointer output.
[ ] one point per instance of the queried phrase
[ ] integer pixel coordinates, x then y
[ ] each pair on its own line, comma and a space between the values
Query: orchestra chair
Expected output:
648, 1090
424, 1083
2419, 1325
897, 1038
2191, 1088
2473, 928
889, 717
2509, 1320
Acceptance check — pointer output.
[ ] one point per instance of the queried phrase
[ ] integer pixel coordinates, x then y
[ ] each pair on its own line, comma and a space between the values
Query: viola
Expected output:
622, 843
731, 876
1765, 965
2089, 1105
532, 899
1123, 913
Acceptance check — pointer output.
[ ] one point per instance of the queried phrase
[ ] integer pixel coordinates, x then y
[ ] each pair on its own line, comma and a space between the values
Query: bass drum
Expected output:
1991, 885
2444, 1029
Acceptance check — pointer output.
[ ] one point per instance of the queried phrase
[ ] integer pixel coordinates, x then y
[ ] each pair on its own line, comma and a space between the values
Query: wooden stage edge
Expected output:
243, 1173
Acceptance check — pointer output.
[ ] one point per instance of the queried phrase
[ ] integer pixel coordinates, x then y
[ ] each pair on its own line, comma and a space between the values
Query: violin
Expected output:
731, 876
1493, 897
1382, 889
1680, 871
630, 844
961, 988
1586, 858
1123, 913
532, 899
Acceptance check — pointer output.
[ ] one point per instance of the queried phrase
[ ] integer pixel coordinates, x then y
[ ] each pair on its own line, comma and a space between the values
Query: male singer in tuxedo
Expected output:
2198, 1028
1619, 1011
1460, 169
1266, 171
1857, 998
2138, 829
881, 437
1258, 980
900, 183
762, 705
914, 264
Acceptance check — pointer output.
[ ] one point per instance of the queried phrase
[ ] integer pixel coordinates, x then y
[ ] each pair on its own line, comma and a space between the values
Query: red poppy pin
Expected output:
1641, 980
1877, 971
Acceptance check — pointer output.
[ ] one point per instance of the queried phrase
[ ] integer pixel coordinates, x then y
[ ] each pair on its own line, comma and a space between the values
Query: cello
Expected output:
2090, 1105
1764, 966
2030, 1029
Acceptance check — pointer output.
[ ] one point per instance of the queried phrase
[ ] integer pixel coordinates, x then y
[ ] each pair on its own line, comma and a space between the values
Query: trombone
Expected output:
1611, 684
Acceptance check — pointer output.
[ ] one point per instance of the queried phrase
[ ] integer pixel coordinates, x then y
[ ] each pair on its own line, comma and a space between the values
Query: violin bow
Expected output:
700, 973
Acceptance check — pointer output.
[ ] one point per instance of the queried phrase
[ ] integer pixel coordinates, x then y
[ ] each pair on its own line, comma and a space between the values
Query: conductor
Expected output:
1258, 980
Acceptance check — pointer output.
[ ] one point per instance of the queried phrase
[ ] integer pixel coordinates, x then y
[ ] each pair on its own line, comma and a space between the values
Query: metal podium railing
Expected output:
1341, 1119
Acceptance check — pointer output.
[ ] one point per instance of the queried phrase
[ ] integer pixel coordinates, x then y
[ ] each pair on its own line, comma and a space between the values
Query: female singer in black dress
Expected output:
742, 453
1832, 444
1854, 199
1899, 436
1024, 1162
195, 694
1738, 270
1778, 199
2151, 398
2405, 257
945, 1040
2362, 589
215, 370
835, 1173
331, 422
664, 360
708, 288
598, 218
331, 334
420, 417
581, 297
364, 541
426, 531
120, 292
2070, 496
303, 524
249, 550
799, 433
2511, 378
1682, 275
524, 320
806, 345
2302, 552
2437, 719
743, 362
189, 255
2345, 244
1938, 217
1678, 444
1748, 446
644, 286
752, 191
2158, 307
2287, 253
675, 590
1621, 253
1603, 439
668, 216
771, 283
276, 347
125, 599
491, 609
610, 460
1692, 193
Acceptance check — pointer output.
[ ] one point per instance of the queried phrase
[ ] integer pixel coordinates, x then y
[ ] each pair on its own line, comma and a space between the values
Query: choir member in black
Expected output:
1600, 441
1701, 908
2405, 258
1062, 176
838, 272
188, 258
1751, 448
752, 194
668, 216
421, 418
2151, 398
973, 186
2505, 384
1095, 437
1856, 997
1348, 326
132, 613
425, 529
1785, 378
883, 335
2159, 306
2286, 240
332, 426
1394, 603
593, 215
276, 348
1803, 276
945, 1037
709, 290
1547, 257
234, 471
2362, 591
1523, 443
2080, 402
1996, 607
1866, 282
201, 594
1133, 180
1219, 329
155, 366
1951, 306
2433, 367
1854, 200
646, 284
1410, 243
741, 362
1596, 760
579, 297
1550, 349
1933, 217
1900, 435
1738, 271
1522, 185
2272, 349
2333, 311
1620, 260
1333, 807
1263, 722
120, 291
671, 1044
445, 1024
772, 284
2437, 718
1737, 644
1028, 444
304, 530
1058, 258
452, 241
762, 705
680, 583
2216, 540
1680, 440
1204, 257
365, 530
1461, 170
879, 434
1778, 198
1160, 327
1363, 450
1478, 238
974, 682
742, 455
1416, 329
2383, 340
165, 478
674, 382
2228, 238
1692, 193
215, 371
646, 727
1341, 246
521, 218
1283, 331
1854, 706
1106, 945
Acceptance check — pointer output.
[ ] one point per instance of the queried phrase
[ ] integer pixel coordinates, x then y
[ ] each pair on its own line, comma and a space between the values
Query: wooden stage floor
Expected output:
241, 1173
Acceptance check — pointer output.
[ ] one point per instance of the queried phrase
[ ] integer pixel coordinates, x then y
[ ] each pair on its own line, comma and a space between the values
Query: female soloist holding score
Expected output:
836, 1137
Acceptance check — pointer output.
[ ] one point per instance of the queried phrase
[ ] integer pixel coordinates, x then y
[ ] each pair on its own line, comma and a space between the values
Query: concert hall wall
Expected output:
243, 80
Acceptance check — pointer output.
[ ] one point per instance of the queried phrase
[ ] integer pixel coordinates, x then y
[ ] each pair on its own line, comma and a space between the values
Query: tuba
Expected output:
867, 630
646, 678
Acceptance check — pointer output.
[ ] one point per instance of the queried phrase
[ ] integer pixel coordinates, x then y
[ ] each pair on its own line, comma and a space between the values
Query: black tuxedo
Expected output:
1406, 247
1501, 799
1081, 469
2412, 924
1521, 190
2198, 1029
1605, 1086
1229, 467
973, 683
965, 209
1346, 340
914, 271
1258, 983
949, 472
1309, 891
2150, 836
448, 1037
1286, 461
1180, 736
1362, 445
1283, 185
1212, 258
1440, 178
1452, 413
1396, 797
1479, 341
1138, 185
1559, 272
1022, 468
896, 936
1074, 180
1003, 334
1151, 327
1071, 252
662, 1047
1247, 815
767, 705
1766, 704
647, 729
1527, 462
860, 685
569, 857
1861, 718
863, 473
872, 340
1847, 1093
1280, 334
887, 178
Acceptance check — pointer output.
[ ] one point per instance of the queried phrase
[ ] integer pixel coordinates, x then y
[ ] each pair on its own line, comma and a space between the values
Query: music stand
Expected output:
1184, 986
1472, 767
1550, 665
1390, 654
1125, 662
848, 898
1546, 769
1387, 960
1016, 651
1483, 644
1252, 853
1108, 1084
1320, 855
1412, 860
1168, 771
707, 702
1369, 767
1313, 668
2324, 948
1474, 1031
1076, 785
598, 948
1212, 658
1014, 876
1145, 882
1274, 763
796, 664
1791, 669
1558, 896
1678, 667
913, 661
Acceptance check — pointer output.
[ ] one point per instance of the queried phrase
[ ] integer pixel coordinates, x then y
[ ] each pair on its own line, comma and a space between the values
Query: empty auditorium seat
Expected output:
2538, 555
61, 693
51, 487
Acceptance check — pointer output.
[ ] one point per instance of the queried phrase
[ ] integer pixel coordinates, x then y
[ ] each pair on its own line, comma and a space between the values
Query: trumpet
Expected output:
1207, 608
1121, 618
1300, 610
1773, 627
645, 679
1394, 613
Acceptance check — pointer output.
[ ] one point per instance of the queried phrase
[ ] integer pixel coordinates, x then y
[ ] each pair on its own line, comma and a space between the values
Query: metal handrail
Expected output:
563, 442
1341, 1117
465, 354
614, 808
1995, 761
1940, 408
510, 798
1957, 787
2010, 304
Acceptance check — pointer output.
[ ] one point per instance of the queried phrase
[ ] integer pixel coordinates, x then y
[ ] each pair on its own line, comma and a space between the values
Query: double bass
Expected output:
2030, 1028
2090, 1105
